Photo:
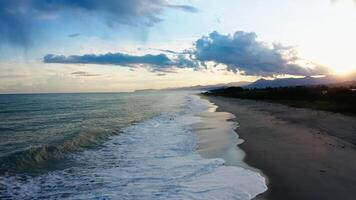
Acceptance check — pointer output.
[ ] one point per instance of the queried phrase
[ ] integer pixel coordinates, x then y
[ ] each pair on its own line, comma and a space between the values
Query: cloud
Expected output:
159, 62
184, 8
18, 18
242, 52
164, 51
82, 73
74, 35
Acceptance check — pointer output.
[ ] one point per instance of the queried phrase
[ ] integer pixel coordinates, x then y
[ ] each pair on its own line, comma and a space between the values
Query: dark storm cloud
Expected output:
244, 53
19, 17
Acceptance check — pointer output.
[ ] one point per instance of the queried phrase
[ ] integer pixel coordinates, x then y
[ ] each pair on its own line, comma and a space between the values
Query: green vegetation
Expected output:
340, 99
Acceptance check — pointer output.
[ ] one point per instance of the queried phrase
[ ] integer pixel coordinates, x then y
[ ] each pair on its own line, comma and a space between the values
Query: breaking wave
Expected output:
36, 158
153, 159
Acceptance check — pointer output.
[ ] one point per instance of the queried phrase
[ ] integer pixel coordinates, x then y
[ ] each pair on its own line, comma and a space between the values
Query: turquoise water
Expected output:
112, 146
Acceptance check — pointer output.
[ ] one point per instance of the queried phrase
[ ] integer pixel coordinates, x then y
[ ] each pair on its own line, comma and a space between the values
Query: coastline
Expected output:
217, 139
305, 154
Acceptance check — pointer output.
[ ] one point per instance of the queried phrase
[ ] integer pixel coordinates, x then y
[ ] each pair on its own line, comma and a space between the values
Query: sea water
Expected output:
112, 146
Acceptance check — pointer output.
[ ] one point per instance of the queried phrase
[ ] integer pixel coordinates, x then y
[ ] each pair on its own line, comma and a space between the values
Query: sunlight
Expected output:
343, 71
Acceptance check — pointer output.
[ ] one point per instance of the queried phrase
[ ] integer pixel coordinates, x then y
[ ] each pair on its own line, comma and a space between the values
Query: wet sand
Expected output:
305, 154
217, 138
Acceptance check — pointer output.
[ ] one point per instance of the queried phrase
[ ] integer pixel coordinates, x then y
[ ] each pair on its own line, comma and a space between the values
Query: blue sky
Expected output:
118, 45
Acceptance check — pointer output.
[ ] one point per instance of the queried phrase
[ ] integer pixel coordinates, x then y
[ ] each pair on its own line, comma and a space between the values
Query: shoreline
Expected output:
305, 154
217, 138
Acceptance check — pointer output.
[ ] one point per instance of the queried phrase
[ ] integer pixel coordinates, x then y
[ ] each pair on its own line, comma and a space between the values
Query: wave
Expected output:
152, 159
39, 157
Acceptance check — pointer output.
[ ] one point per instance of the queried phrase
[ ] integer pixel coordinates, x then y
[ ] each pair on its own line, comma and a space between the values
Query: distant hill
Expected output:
202, 87
282, 82
285, 82
211, 87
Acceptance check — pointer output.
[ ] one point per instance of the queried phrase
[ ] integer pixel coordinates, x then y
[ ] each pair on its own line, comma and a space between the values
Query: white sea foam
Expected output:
155, 159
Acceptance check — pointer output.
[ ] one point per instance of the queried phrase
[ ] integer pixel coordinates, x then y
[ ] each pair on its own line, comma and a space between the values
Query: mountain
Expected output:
210, 87
284, 82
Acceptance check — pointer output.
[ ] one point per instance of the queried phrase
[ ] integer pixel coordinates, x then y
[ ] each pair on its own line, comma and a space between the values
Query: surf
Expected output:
152, 159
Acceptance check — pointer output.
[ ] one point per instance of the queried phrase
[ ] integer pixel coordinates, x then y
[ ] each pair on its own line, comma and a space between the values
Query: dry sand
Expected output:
305, 154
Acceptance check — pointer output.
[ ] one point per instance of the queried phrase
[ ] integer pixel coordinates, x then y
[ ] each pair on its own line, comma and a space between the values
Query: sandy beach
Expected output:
217, 138
304, 154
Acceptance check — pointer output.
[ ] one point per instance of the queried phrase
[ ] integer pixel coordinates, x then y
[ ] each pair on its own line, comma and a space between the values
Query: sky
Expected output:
118, 45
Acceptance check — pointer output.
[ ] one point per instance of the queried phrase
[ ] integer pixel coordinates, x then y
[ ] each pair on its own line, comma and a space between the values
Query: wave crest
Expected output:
40, 156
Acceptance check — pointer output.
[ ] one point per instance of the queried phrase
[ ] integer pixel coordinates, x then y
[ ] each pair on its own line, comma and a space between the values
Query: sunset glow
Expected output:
319, 34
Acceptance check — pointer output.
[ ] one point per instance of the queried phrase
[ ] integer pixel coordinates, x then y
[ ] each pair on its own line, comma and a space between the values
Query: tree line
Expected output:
339, 99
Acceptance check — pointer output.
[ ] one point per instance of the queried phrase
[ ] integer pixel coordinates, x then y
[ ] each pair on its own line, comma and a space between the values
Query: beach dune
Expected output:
305, 154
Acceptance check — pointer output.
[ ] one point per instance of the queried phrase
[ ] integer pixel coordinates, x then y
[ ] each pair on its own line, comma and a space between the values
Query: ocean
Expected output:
137, 145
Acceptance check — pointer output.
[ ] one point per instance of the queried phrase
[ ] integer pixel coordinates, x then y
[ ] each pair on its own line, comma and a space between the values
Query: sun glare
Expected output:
343, 71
